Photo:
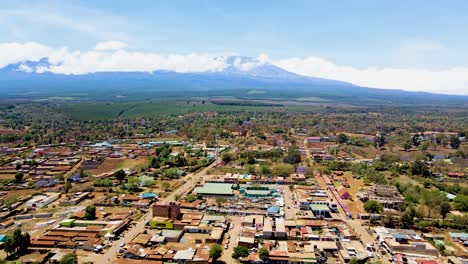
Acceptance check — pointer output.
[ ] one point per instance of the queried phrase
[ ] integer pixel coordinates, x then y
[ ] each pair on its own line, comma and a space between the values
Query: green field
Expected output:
108, 111
128, 110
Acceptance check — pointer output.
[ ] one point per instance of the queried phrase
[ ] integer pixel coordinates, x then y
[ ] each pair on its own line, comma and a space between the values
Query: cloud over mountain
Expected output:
449, 81
112, 56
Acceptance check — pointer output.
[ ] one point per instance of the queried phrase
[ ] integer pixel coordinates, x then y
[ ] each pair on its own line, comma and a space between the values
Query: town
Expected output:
244, 197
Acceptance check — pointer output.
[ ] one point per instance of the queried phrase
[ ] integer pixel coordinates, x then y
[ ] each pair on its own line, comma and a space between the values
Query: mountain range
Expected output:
239, 78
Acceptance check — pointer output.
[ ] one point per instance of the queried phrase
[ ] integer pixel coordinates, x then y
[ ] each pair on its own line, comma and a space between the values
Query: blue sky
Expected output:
422, 35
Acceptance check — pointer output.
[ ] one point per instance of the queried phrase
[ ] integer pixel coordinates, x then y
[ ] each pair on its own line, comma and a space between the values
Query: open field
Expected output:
355, 185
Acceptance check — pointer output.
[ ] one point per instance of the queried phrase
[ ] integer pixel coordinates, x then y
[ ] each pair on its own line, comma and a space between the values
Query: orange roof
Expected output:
456, 174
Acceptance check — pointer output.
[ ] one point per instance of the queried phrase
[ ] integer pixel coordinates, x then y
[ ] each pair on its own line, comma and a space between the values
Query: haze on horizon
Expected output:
416, 46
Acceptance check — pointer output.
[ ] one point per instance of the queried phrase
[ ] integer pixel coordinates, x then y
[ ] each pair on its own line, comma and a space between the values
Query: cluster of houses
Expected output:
322, 149
173, 236
79, 233
238, 178
299, 240
405, 242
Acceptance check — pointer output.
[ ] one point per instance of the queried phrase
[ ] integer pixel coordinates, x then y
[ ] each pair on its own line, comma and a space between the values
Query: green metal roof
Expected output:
215, 188
319, 207
257, 192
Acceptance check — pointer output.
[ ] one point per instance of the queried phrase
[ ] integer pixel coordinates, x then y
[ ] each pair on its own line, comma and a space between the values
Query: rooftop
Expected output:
215, 188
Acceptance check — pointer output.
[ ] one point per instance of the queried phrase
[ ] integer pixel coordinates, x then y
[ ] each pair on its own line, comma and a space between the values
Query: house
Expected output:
161, 223
343, 192
90, 164
170, 210
41, 200
314, 139
172, 235
458, 237
456, 175
184, 255
405, 241
387, 195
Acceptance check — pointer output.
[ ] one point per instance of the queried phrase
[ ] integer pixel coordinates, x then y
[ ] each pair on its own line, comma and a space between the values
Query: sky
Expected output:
412, 45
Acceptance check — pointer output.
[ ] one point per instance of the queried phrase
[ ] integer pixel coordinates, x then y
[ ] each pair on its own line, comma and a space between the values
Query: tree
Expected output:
432, 199
19, 177
353, 261
90, 212
416, 140
282, 169
171, 173
226, 157
293, 156
177, 196
155, 163
461, 202
454, 142
69, 258
263, 253
215, 251
372, 206
240, 252
407, 218
19, 243
342, 138
251, 169
445, 209
407, 146
419, 167
17, 238
166, 186
24, 243
67, 186
190, 198
9, 246
265, 169
379, 141
120, 175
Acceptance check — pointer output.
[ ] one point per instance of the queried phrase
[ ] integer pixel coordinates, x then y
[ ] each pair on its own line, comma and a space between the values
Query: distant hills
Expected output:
239, 78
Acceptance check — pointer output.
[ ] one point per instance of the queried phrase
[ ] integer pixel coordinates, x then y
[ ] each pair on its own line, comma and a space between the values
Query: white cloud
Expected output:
65, 61
450, 81
16, 52
110, 45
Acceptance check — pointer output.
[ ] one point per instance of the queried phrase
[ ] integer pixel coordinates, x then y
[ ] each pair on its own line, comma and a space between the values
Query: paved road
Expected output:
190, 179
234, 234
